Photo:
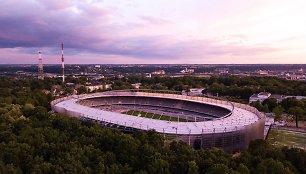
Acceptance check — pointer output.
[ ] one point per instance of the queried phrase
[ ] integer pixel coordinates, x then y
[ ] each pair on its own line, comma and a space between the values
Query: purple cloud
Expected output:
89, 28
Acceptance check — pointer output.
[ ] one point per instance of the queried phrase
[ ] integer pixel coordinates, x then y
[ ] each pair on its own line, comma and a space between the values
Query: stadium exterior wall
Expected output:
229, 141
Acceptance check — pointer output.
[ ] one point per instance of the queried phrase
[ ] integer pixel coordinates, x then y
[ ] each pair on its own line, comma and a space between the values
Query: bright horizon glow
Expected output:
153, 32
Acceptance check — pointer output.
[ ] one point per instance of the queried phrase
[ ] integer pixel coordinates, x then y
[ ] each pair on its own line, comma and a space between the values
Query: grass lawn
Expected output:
287, 138
153, 116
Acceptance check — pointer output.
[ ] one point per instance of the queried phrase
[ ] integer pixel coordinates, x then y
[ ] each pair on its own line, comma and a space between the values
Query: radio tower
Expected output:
40, 67
63, 64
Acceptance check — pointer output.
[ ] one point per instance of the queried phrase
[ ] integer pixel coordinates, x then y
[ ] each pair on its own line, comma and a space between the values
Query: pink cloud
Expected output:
154, 20
56, 4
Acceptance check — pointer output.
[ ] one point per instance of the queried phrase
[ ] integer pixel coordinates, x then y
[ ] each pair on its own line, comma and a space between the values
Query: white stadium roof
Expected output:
236, 121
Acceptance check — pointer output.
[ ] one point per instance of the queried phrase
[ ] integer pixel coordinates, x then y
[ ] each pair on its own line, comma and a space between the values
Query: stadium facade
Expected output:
200, 121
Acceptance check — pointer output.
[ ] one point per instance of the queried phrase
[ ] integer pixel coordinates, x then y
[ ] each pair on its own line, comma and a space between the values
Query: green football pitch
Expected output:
280, 137
153, 116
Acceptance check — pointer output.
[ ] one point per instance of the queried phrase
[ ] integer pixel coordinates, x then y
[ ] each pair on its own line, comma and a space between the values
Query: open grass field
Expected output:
280, 137
153, 116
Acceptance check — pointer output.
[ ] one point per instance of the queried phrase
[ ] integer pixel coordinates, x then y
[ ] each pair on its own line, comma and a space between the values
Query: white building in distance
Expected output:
136, 85
193, 92
186, 70
159, 72
259, 97
92, 87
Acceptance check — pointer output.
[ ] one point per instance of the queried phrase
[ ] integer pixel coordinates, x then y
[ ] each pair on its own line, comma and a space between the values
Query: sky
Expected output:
153, 31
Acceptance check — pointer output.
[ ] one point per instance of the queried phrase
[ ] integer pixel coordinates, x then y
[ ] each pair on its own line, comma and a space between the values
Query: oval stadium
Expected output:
200, 121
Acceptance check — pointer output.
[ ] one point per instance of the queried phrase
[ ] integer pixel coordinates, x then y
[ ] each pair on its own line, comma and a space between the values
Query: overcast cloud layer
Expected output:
146, 31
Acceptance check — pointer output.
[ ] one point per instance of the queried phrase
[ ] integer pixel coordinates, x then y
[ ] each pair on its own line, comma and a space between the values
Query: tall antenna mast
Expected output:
40, 67
63, 63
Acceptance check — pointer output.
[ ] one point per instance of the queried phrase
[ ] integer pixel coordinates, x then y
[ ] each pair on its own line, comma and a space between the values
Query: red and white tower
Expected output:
40, 67
63, 63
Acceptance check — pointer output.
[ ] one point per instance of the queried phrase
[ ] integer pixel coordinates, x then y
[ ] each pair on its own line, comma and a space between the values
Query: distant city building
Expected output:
193, 92
187, 71
148, 75
20, 73
262, 72
70, 84
97, 66
222, 70
45, 91
120, 76
136, 85
294, 77
92, 87
159, 72
51, 75
107, 86
98, 77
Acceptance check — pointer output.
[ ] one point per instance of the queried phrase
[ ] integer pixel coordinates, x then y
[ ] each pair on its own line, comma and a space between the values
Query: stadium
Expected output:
200, 121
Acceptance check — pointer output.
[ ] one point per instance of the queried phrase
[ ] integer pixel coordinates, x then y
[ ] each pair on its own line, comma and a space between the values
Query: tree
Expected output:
265, 108
270, 166
243, 169
68, 90
40, 113
204, 91
82, 90
158, 166
193, 167
278, 111
28, 109
216, 88
297, 112
245, 92
257, 105
259, 148
297, 158
220, 169
291, 102
271, 102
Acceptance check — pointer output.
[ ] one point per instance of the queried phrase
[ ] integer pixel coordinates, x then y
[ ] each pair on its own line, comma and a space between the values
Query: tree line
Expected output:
232, 86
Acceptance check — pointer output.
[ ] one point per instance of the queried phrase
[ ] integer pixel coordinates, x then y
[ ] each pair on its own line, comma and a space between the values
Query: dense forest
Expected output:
35, 140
